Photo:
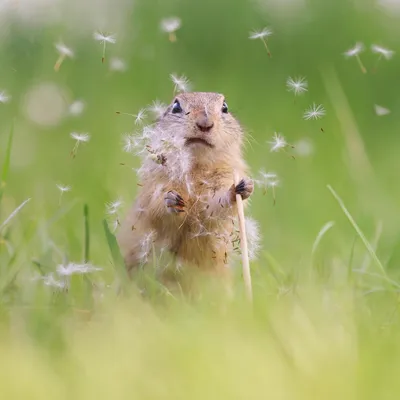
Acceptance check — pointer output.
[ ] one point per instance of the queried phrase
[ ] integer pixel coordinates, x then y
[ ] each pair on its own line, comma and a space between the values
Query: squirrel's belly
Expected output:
205, 246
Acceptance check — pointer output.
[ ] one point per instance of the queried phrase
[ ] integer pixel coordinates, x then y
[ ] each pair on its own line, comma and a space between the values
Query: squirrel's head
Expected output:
202, 122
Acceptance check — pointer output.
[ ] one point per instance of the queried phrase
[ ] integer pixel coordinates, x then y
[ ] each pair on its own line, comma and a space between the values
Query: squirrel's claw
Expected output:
174, 202
245, 188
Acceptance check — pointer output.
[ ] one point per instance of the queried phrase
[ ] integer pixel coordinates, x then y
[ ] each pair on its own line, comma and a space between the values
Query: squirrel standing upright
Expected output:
187, 199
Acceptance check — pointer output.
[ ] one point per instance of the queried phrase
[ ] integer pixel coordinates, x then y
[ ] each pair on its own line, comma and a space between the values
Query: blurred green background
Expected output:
214, 52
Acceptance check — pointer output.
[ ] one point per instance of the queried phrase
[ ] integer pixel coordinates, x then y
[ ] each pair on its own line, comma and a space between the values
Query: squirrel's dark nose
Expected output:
204, 123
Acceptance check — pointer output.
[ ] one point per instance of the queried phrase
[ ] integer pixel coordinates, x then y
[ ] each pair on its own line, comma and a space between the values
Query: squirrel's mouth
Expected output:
194, 140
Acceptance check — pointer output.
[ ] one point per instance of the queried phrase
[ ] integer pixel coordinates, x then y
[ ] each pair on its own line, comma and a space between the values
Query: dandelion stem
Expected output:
377, 62
363, 69
58, 63
172, 37
104, 52
87, 234
243, 242
266, 46
273, 194
75, 149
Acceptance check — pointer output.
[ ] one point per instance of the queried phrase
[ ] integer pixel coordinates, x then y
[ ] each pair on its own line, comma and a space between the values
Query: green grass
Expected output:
324, 322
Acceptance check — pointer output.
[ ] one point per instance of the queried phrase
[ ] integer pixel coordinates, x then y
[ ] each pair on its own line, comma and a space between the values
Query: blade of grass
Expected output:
7, 160
359, 231
374, 244
87, 234
320, 235
115, 253
13, 214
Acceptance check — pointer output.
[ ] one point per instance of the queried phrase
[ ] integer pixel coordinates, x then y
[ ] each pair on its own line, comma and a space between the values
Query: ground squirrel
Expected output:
186, 203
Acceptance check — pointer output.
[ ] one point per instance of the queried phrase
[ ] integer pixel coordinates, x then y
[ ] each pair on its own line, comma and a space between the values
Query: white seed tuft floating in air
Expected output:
278, 142
63, 189
72, 268
382, 51
113, 207
262, 35
63, 52
80, 138
140, 116
104, 39
267, 181
380, 111
49, 280
355, 52
4, 97
171, 25
157, 108
181, 83
297, 86
314, 112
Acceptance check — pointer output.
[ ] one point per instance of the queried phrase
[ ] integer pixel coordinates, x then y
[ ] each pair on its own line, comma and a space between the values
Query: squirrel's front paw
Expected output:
174, 202
245, 188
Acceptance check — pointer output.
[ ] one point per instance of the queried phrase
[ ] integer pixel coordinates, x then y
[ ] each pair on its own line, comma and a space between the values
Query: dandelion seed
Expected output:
272, 185
253, 237
63, 189
387, 54
118, 65
382, 51
146, 245
297, 86
181, 83
268, 180
129, 143
104, 39
314, 112
80, 138
49, 280
380, 111
262, 35
170, 26
76, 108
72, 268
4, 97
355, 52
63, 52
278, 142
157, 108
140, 116
112, 207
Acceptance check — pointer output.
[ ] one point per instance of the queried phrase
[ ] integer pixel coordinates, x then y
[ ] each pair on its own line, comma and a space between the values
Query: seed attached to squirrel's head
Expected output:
203, 121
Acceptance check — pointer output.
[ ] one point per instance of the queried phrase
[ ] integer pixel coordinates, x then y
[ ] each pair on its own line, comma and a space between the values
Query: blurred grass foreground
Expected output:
325, 319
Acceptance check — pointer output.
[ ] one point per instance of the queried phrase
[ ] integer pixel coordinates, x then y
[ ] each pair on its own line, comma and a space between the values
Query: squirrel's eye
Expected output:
225, 108
176, 107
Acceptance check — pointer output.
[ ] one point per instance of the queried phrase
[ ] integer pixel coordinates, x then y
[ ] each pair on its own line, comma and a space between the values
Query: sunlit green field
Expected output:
324, 319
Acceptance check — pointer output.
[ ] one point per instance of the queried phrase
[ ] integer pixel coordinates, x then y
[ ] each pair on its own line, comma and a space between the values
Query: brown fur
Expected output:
206, 188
